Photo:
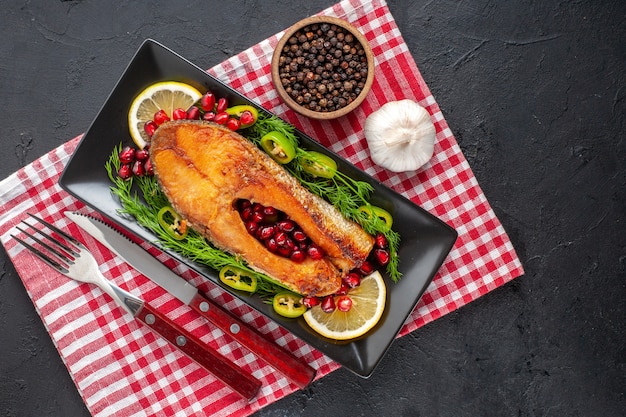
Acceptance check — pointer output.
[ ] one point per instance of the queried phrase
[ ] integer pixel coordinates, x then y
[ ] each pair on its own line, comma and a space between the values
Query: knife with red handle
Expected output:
284, 362
230, 374
297, 372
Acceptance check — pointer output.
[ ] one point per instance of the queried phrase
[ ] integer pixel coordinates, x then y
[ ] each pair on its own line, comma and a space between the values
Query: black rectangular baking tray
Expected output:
425, 239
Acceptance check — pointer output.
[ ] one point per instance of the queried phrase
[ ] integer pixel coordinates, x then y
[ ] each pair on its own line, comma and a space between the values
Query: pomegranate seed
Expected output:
297, 256
382, 256
315, 252
209, 116
286, 225
147, 166
243, 203
269, 210
271, 245
352, 280
193, 113
222, 105
179, 114
257, 216
257, 207
161, 117
207, 102
270, 214
281, 238
221, 118
299, 236
328, 304
289, 244
366, 268
233, 124
138, 169
381, 241
252, 227
343, 290
246, 118
142, 154
150, 127
266, 232
284, 251
127, 155
125, 172
344, 304
246, 214
310, 302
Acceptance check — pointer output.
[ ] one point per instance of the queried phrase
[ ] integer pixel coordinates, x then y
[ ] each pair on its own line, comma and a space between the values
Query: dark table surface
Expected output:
535, 93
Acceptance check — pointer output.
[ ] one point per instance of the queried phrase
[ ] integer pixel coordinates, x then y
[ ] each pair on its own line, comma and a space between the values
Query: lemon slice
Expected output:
368, 305
167, 96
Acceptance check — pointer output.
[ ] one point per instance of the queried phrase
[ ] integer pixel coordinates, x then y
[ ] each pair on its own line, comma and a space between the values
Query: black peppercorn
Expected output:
323, 67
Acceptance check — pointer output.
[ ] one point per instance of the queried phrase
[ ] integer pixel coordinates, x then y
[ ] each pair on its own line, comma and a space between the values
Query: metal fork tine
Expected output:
57, 230
56, 265
61, 255
63, 245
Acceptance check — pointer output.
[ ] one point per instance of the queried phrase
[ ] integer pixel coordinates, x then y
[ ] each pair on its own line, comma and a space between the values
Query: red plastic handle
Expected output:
292, 368
230, 374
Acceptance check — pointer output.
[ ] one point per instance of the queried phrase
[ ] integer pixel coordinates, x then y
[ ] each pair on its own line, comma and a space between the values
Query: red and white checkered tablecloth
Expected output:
121, 368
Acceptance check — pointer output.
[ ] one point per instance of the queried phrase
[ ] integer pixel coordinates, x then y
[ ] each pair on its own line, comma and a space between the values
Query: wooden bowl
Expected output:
338, 110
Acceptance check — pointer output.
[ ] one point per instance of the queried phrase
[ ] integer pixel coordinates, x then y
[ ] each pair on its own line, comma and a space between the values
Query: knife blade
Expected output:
288, 365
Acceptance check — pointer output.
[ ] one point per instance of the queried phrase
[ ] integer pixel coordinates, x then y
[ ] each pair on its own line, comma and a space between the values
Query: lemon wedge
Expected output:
167, 96
368, 305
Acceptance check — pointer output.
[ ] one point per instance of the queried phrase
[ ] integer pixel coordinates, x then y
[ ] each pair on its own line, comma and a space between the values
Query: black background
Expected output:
535, 93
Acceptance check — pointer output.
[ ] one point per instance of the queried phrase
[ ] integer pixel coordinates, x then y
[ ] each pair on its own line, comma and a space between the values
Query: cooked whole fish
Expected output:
204, 168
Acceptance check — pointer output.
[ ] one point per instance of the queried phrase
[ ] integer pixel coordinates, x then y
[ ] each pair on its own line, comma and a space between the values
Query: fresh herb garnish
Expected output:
142, 198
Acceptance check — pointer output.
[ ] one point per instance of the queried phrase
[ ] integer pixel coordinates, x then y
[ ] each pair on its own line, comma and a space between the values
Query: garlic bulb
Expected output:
400, 135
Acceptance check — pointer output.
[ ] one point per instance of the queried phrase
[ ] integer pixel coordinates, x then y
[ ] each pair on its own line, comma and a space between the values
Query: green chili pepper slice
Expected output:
172, 223
318, 164
375, 211
246, 120
238, 278
288, 304
276, 145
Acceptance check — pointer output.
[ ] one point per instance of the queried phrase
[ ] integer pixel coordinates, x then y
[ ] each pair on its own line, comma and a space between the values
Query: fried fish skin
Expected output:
203, 168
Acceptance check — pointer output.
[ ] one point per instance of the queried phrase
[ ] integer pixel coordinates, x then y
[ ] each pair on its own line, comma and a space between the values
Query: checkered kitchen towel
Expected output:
120, 368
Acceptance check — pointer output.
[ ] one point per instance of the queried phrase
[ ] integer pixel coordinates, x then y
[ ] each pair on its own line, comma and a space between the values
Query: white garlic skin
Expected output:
400, 135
